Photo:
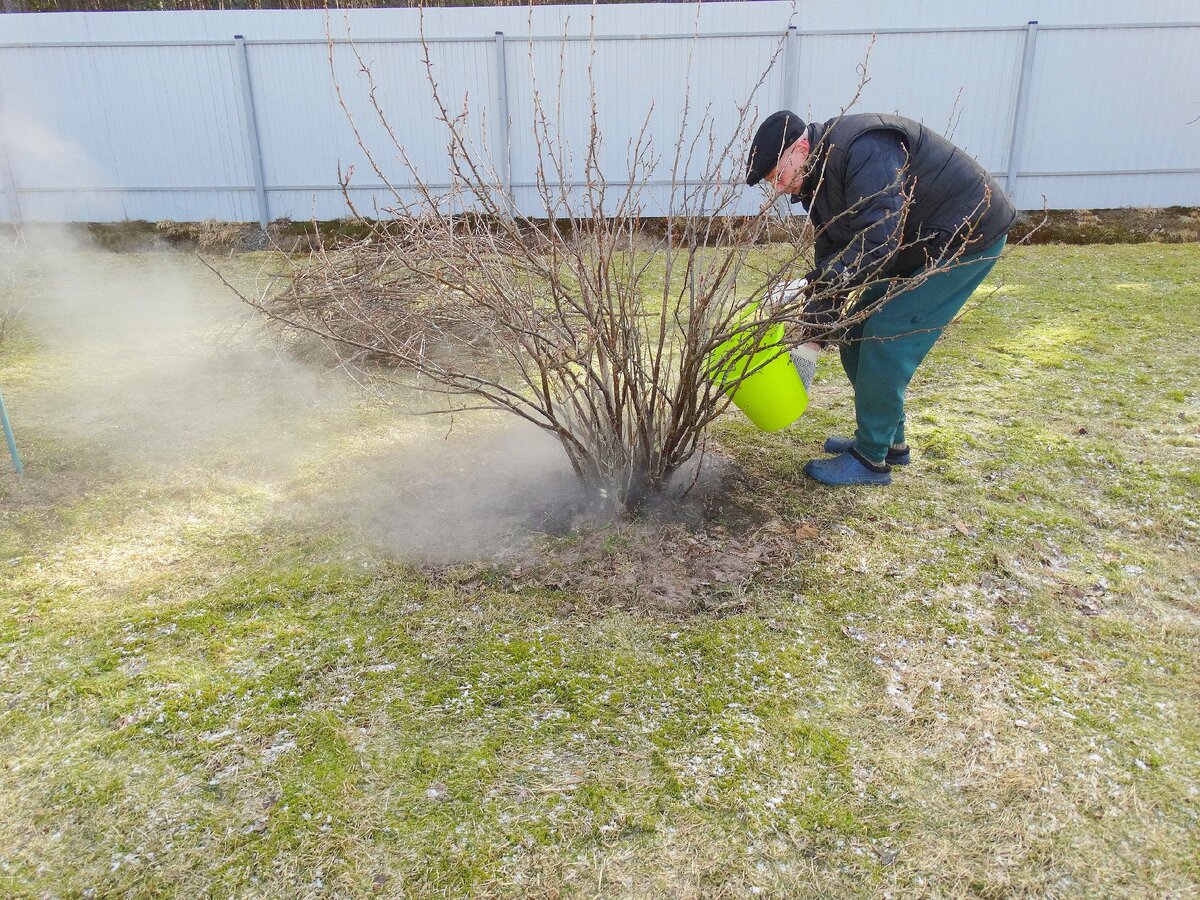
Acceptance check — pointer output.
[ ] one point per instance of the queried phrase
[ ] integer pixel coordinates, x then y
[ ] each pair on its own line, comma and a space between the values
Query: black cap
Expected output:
778, 131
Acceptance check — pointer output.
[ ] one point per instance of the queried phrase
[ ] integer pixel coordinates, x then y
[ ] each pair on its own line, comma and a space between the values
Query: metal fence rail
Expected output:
1079, 114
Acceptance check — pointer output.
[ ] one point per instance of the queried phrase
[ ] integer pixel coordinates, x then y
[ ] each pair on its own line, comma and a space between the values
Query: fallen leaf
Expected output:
854, 633
961, 527
755, 553
886, 857
806, 532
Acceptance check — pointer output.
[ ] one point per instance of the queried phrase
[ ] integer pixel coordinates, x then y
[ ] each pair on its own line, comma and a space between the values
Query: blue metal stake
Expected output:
8, 436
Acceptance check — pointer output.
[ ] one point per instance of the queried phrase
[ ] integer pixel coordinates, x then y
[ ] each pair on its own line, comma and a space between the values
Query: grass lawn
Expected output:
982, 681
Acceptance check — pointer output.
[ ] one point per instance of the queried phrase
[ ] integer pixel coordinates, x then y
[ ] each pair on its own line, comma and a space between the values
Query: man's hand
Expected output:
804, 358
787, 292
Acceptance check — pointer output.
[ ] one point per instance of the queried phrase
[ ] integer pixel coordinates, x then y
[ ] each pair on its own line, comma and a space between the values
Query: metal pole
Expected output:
252, 130
1018, 126
791, 67
8, 436
501, 149
10, 183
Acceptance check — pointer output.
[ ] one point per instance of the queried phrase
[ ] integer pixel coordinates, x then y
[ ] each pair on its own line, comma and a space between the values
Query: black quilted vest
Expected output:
955, 202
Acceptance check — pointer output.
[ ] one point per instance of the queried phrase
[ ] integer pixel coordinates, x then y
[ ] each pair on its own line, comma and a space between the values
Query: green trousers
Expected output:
881, 354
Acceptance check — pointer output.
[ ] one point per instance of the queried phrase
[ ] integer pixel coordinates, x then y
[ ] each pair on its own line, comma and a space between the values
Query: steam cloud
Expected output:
153, 363
147, 366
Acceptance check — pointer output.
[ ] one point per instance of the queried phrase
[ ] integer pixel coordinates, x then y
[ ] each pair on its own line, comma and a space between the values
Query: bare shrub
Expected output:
583, 316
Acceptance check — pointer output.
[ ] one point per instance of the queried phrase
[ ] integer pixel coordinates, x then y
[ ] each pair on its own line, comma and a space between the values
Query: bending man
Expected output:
891, 203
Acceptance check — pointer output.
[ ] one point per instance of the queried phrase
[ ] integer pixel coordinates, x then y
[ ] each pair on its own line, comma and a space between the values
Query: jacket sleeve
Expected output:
875, 165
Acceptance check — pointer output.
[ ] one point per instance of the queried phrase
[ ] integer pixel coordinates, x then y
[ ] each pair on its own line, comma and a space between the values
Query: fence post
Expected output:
501, 149
1018, 126
6, 174
791, 67
243, 62
10, 186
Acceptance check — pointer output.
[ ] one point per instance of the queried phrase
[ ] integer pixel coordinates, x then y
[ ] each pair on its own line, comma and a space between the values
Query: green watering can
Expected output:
773, 396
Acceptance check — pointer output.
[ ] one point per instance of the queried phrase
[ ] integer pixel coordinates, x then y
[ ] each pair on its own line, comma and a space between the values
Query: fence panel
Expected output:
124, 132
1105, 105
961, 84
307, 136
694, 90
148, 119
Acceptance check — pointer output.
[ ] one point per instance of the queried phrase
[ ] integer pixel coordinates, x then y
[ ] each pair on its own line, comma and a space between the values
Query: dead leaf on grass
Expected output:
886, 857
961, 527
1020, 625
1085, 601
806, 531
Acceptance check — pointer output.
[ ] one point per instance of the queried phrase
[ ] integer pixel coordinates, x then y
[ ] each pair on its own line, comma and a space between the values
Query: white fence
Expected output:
236, 116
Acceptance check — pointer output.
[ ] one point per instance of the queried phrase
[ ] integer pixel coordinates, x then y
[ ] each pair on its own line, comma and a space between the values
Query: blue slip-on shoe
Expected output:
894, 457
846, 468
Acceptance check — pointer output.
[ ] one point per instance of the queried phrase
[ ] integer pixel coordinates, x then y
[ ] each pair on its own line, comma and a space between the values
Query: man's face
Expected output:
788, 174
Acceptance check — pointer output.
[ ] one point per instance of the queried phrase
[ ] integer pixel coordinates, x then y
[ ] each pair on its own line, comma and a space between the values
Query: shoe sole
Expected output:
880, 483
883, 481
891, 460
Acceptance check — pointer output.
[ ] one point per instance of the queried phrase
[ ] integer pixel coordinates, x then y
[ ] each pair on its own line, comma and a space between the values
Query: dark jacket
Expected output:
887, 196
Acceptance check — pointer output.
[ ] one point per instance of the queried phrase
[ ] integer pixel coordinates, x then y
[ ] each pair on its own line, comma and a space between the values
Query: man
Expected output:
894, 206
